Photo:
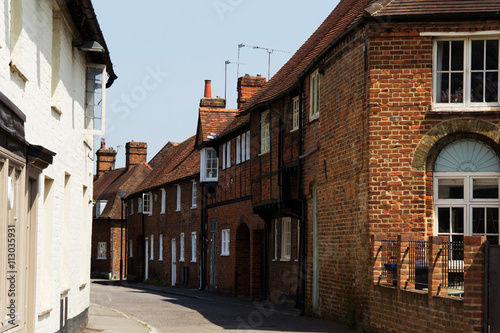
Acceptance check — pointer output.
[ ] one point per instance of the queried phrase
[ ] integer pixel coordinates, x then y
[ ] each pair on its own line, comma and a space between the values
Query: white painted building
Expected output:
51, 106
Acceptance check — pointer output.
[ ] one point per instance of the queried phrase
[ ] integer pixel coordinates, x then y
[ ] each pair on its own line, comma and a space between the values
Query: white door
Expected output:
174, 263
146, 264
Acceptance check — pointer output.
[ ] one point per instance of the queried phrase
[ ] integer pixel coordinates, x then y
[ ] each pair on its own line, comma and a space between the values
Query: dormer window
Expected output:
209, 165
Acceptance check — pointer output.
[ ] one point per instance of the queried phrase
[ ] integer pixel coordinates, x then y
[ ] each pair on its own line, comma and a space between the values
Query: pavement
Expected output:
107, 320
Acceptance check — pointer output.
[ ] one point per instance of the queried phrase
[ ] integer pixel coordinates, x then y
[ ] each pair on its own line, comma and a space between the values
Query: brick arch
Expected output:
446, 132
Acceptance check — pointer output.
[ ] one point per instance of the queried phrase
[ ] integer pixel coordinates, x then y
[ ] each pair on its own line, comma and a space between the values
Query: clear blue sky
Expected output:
163, 51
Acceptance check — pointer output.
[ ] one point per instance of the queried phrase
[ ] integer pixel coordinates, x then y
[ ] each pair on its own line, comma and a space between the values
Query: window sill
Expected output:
224, 254
294, 130
193, 261
182, 260
18, 70
285, 259
264, 153
312, 120
275, 259
464, 110
160, 259
102, 258
194, 207
44, 312
56, 109
162, 213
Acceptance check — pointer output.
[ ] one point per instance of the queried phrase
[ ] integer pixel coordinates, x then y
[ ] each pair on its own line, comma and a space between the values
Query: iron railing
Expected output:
418, 263
453, 266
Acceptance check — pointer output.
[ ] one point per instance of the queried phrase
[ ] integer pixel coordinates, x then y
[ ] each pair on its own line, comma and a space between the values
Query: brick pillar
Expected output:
247, 86
435, 275
376, 241
136, 153
404, 265
473, 283
106, 159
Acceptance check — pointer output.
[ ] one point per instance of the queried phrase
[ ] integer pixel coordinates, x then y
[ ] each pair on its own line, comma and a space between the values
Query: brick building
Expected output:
109, 227
381, 132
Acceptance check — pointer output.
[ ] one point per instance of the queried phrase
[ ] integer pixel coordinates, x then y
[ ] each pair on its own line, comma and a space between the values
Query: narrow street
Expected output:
167, 310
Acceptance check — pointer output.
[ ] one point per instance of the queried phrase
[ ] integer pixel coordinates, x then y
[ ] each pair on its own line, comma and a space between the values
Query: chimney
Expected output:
106, 159
208, 101
208, 89
136, 153
247, 86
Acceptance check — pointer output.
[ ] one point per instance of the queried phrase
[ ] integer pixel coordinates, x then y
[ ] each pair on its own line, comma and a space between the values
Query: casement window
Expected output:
130, 249
193, 195
238, 149
243, 147
226, 155
225, 242
209, 164
181, 245
276, 240
99, 207
147, 203
193, 246
139, 205
314, 88
465, 73
131, 206
466, 191
101, 251
286, 238
265, 134
178, 205
95, 88
163, 200
160, 247
151, 249
295, 113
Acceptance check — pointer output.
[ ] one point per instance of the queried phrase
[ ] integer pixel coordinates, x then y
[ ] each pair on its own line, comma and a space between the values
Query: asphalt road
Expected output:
166, 312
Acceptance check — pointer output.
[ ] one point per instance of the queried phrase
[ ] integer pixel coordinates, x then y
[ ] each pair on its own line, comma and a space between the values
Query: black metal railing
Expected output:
453, 266
390, 255
418, 263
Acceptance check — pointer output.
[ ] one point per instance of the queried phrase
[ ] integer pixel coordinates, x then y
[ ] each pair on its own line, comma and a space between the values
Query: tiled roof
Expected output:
433, 7
158, 157
106, 187
236, 123
347, 13
213, 120
178, 162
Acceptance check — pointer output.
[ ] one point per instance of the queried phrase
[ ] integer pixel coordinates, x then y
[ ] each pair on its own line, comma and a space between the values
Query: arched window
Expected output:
466, 191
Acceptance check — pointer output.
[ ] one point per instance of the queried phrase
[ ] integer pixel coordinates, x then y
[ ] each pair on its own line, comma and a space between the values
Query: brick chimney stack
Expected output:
106, 159
247, 86
208, 101
135, 153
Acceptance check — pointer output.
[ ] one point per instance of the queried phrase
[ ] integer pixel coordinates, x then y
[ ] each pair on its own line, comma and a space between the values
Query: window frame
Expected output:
225, 241
151, 248
139, 205
99, 207
178, 198
193, 246
160, 247
163, 200
265, 132
147, 203
314, 95
295, 114
181, 247
467, 104
194, 194
102, 255
238, 150
205, 159
286, 239
86, 126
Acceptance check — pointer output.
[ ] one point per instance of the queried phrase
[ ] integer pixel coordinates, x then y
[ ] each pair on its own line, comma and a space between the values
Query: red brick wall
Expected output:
108, 231
136, 153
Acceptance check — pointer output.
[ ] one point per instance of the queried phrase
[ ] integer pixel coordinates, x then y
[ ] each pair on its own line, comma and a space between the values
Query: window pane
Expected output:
457, 88
485, 188
457, 55
476, 87
478, 220
444, 220
492, 239
492, 220
450, 188
491, 94
443, 90
444, 55
492, 54
477, 55
457, 220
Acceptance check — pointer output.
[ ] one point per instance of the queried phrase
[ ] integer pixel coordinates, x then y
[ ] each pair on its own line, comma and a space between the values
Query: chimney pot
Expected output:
103, 143
208, 89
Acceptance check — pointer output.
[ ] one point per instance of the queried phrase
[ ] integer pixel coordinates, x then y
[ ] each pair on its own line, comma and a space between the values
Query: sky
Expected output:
163, 51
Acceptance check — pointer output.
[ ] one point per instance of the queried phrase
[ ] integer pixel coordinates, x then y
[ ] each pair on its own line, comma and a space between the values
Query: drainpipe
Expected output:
301, 272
